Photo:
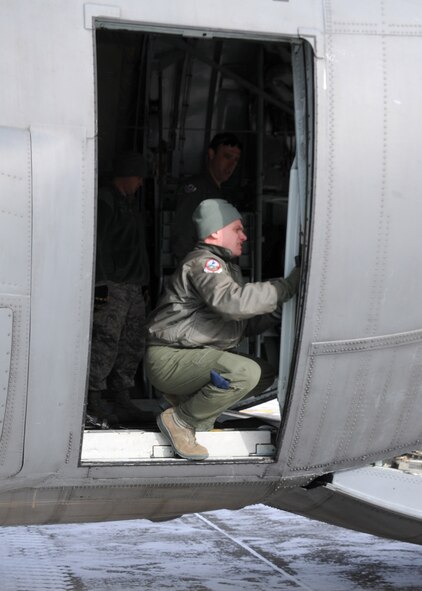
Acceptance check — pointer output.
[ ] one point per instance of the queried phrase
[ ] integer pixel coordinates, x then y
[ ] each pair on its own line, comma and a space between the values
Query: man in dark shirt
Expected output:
223, 155
122, 270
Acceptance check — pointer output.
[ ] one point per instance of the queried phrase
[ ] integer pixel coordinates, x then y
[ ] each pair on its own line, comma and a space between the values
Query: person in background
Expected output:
122, 273
204, 313
223, 156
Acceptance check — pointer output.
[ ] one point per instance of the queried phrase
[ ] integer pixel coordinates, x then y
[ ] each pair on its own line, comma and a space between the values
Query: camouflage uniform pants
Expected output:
184, 374
118, 340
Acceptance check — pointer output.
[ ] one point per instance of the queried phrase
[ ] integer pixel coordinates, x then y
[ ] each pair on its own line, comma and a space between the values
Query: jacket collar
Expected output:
224, 253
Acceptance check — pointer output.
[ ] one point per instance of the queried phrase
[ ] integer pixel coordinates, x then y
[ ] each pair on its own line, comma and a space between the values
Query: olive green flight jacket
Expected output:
207, 304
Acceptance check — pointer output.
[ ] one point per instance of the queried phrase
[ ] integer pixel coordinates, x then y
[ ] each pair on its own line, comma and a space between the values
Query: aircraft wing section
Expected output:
375, 500
385, 488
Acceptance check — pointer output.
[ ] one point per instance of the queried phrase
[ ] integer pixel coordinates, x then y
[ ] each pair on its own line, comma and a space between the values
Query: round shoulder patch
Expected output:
212, 266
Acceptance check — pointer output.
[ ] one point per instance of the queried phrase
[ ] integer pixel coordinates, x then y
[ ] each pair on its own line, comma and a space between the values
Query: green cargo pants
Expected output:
184, 374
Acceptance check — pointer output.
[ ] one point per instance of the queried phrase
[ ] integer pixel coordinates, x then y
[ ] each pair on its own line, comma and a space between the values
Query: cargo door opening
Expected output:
166, 95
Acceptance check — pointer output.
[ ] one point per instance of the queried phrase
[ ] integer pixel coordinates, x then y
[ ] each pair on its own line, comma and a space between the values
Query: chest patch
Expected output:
189, 188
212, 266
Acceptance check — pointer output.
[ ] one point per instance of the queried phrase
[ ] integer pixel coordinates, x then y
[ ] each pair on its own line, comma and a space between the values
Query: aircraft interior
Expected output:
166, 95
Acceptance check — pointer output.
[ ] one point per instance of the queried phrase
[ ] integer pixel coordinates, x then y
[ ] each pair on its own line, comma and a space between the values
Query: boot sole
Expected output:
166, 432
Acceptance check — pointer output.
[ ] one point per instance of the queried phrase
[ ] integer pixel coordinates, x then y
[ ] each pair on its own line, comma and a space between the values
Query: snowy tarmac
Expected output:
254, 549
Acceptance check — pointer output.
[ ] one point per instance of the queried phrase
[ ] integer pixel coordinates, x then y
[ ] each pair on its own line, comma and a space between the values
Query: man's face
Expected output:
222, 162
232, 237
132, 184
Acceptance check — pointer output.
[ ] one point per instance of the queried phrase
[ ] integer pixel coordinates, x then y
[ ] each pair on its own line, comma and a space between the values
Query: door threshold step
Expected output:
137, 445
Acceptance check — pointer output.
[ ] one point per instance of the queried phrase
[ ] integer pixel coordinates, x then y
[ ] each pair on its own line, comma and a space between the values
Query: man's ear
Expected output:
217, 237
212, 238
211, 154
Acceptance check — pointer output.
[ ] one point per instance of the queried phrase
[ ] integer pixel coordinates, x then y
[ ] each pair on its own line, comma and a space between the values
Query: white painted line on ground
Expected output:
254, 553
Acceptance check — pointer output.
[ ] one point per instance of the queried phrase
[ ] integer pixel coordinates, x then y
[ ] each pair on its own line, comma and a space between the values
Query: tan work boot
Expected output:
182, 437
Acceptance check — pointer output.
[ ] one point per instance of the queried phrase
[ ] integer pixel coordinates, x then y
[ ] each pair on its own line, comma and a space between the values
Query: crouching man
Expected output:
203, 314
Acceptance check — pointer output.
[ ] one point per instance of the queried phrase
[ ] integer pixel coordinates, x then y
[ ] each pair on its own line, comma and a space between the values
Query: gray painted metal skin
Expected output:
355, 387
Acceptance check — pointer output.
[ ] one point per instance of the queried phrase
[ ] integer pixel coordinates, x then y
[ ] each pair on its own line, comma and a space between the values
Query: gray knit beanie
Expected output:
213, 214
129, 164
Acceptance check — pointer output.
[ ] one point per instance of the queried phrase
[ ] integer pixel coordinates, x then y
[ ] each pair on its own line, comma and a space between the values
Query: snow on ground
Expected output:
255, 549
